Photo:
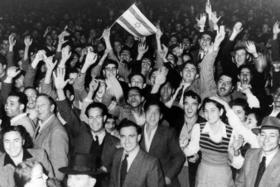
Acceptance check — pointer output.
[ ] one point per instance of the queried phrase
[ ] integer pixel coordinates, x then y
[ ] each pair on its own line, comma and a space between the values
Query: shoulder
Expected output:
112, 138
251, 152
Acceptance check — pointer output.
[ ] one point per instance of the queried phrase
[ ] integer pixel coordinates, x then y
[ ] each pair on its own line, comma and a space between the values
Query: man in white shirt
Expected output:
261, 167
15, 109
132, 166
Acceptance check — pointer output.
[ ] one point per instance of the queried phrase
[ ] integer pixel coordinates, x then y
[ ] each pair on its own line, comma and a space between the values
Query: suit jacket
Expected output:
24, 121
84, 142
165, 147
144, 171
247, 176
7, 169
54, 140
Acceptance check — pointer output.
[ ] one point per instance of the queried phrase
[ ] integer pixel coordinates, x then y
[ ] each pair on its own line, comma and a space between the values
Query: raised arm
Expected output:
10, 54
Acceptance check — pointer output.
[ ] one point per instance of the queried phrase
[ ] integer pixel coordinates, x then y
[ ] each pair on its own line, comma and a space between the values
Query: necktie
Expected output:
260, 172
123, 169
37, 131
97, 140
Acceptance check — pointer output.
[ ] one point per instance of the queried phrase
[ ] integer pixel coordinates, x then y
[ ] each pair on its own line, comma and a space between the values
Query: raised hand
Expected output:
214, 18
40, 55
106, 34
208, 7
142, 48
276, 28
65, 53
163, 52
59, 81
237, 28
161, 76
12, 40
201, 21
221, 33
91, 56
12, 72
158, 32
28, 41
62, 35
251, 48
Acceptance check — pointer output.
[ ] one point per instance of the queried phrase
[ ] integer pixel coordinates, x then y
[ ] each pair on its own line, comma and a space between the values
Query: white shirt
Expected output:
215, 136
16, 118
131, 156
148, 140
100, 136
269, 157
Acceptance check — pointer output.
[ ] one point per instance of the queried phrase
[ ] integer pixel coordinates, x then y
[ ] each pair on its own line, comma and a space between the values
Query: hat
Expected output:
271, 123
82, 163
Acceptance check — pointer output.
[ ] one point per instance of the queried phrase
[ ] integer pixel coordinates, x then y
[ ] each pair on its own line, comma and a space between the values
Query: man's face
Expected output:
125, 56
146, 65
245, 76
190, 107
31, 96
224, 86
129, 138
239, 111
153, 115
110, 70
166, 92
96, 119
240, 57
269, 139
137, 81
19, 82
13, 107
72, 77
189, 73
251, 121
117, 46
80, 181
44, 108
204, 42
110, 124
13, 143
134, 98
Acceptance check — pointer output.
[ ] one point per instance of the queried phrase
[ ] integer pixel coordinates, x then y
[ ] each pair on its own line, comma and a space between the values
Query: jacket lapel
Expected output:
156, 139
45, 131
254, 167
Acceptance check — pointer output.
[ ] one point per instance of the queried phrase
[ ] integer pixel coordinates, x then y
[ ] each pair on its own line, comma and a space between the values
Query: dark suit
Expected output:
144, 171
247, 176
165, 147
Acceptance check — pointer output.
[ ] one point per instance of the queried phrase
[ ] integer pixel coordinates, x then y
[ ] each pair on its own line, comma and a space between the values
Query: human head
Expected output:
213, 111
96, 113
110, 68
245, 74
205, 41
146, 65
189, 72
125, 55
31, 94
3, 64
153, 113
225, 84
253, 119
137, 80
130, 135
134, 97
240, 108
45, 107
240, 56
15, 139
166, 91
192, 103
15, 104
30, 174
270, 136
110, 123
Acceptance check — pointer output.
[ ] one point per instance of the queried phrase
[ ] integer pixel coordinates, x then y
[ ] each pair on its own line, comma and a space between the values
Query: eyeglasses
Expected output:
111, 68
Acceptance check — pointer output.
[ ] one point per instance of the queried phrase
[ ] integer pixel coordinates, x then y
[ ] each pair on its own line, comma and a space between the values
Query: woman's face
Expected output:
13, 144
38, 178
251, 121
212, 113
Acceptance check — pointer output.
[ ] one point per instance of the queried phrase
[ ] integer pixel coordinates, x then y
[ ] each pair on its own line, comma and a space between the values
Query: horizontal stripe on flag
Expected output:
127, 26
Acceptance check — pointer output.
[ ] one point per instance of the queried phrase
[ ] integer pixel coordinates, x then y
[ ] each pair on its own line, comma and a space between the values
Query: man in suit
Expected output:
131, 165
161, 142
261, 167
51, 135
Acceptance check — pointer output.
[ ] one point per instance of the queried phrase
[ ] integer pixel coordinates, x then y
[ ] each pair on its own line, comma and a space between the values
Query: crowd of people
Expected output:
83, 103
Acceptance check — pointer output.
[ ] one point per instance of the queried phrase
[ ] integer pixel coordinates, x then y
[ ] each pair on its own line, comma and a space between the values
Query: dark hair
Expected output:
23, 133
192, 63
240, 102
127, 123
151, 102
22, 98
257, 113
133, 88
219, 106
32, 88
243, 67
107, 62
230, 75
193, 95
136, 74
23, 172
97, 105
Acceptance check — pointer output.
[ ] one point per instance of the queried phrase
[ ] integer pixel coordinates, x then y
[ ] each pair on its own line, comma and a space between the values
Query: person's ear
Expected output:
196, 76
104, 118
221, 112
139, 138
52, 108
21, 107
144, 85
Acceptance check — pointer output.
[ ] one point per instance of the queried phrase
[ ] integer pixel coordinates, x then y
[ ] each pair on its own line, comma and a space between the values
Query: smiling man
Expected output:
262, 166
132, 166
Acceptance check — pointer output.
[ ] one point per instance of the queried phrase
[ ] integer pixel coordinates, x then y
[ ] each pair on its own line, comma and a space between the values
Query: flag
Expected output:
134, 22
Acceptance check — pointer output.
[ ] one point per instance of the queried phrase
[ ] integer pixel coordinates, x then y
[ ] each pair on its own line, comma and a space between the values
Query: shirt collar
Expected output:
100, 135
208, 130
16, 118
8, 160
132, 154
269, 157
42, 124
